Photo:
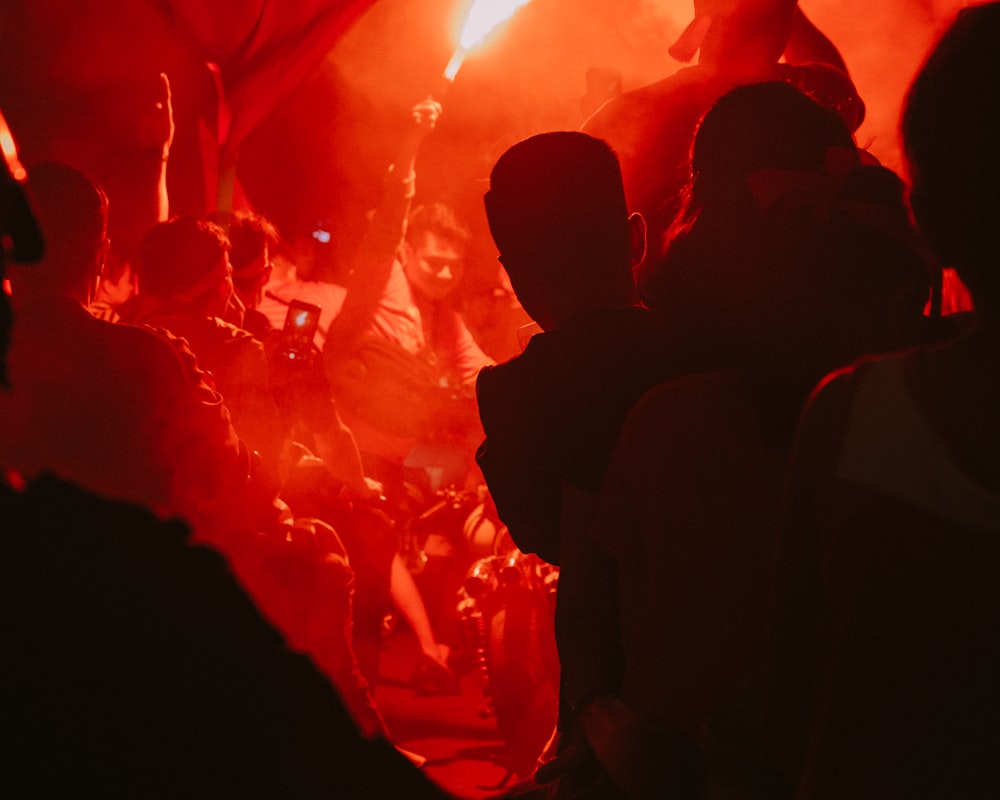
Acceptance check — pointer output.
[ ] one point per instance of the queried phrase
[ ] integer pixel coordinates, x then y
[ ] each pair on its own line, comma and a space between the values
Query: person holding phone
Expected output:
187, 284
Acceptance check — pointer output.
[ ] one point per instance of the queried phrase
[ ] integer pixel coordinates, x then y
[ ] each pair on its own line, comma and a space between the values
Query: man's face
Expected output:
250, 281
435, 265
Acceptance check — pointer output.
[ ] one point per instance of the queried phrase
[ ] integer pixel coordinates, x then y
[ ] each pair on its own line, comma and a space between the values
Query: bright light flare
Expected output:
483, 17
9, 151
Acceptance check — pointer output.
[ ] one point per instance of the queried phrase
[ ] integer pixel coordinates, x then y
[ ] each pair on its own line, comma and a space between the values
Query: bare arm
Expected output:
373, 265
156, 135
808, 44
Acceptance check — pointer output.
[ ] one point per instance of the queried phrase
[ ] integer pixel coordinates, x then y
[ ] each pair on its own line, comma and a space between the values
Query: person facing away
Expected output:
886, 656
556, 211
737, 42
185, 287
119, 410
792, 258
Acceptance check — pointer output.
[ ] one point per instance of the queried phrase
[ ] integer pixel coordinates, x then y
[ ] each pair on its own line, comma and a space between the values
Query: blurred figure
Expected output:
556, 210
20, 236
122, 411
136, 662
792, 258
402, 364
400, 357
885, 675
297, 570
187, 285
154, 137
253, 240
133, 660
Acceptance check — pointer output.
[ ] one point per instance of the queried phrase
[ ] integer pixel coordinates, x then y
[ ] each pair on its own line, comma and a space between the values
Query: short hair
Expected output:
73, 216
950, 127
788, 232
249, 233
176, 255
439, 219
559, 196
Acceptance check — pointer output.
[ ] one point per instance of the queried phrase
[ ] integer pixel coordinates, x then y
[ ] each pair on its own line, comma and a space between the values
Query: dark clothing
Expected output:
235, 360
884, 679
119, 410
651, 129
134, 666
553, 414
552, 417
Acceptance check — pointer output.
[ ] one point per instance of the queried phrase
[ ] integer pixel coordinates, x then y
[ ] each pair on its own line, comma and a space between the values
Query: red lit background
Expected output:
310, 96
314, 91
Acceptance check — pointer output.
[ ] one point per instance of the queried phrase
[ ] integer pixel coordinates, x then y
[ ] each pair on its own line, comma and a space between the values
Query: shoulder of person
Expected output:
165, 357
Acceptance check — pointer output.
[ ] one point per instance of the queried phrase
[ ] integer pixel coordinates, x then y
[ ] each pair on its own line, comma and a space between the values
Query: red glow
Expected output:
9, 150
483, 17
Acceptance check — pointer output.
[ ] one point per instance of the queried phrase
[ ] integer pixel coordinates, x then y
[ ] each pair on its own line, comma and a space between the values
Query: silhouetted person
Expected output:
792, 258
556, 210
885, 681
119, 410
737, 42
133, 663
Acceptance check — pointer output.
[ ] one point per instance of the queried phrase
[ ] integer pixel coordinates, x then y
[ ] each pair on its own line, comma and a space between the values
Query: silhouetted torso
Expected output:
135, 667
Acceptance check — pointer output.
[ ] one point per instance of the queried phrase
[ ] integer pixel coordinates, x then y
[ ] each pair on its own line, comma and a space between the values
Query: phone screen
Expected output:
301, 323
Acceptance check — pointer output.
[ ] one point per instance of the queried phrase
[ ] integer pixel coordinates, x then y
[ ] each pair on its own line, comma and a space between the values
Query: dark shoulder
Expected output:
620, 346
826, 415
688, 401
166, 359
635, 106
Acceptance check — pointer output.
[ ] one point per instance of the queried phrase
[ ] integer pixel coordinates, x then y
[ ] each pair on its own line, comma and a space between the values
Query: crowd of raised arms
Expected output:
719, 386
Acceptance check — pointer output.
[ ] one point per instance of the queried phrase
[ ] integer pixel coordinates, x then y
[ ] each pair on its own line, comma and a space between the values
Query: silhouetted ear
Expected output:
637, 238
935, 227
102, 255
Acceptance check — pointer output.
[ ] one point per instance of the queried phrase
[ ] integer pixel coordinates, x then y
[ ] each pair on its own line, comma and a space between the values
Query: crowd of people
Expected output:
764, 462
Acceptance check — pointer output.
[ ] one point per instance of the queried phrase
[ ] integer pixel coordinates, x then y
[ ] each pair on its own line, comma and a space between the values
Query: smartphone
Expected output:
301, 323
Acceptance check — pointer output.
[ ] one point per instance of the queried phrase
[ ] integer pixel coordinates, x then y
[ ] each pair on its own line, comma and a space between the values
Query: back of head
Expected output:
760, 126
558, 197
72, 214
182, 258
951, 126
755, 129
791, 250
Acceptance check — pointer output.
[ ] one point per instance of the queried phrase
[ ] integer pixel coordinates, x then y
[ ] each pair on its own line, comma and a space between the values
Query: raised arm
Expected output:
373, 264
155, 131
